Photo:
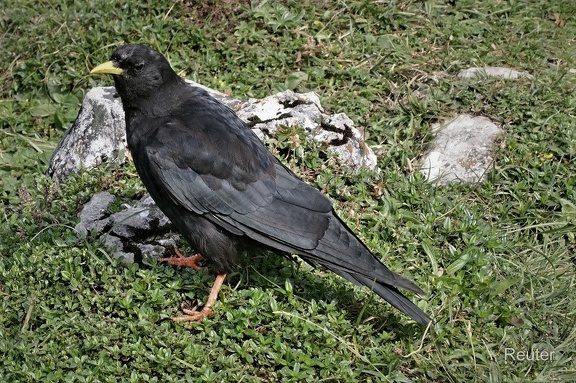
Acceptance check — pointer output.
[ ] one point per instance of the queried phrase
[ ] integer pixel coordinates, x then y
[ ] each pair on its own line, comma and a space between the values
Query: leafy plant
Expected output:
496, 259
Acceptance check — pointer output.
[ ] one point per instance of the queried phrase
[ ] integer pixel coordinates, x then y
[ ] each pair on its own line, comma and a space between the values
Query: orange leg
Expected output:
180, 260
197, 316
194, 315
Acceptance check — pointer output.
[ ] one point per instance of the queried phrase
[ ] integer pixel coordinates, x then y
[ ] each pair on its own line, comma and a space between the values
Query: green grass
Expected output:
497, 259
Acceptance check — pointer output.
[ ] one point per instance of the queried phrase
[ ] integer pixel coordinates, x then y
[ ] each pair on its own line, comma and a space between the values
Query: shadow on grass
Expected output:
268, 270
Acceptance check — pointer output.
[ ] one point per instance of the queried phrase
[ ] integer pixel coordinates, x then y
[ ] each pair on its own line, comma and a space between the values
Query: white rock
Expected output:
500, 72
345, 140
461, 151
98, 134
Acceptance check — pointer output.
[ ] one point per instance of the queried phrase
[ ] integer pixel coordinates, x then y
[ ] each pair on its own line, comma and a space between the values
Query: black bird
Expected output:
224, 191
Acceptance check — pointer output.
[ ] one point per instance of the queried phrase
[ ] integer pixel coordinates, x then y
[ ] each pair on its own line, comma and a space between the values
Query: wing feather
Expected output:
216, 175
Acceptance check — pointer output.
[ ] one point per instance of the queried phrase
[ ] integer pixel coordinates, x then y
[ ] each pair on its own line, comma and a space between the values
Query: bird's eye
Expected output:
139, 66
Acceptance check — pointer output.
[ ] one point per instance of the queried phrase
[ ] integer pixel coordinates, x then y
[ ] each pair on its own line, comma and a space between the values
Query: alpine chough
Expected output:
224, 191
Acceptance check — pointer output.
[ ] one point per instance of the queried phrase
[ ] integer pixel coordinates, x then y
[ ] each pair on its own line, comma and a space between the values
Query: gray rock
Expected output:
461, 151
98, 134
134, 233
150, 245
94, 214
148, 250
144, 217
500, 72
116, 245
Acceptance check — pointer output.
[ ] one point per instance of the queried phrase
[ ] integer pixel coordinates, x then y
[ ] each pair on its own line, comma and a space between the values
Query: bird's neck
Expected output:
152, 101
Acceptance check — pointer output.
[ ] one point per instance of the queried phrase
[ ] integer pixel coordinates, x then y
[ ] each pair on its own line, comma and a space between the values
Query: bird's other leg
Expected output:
194, 315
180, 260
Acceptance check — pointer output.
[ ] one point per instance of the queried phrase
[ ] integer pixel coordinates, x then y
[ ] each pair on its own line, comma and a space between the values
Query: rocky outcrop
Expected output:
98, 134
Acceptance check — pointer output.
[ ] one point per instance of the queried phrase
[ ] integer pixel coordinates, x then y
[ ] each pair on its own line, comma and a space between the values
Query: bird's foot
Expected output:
194, 315
180, 260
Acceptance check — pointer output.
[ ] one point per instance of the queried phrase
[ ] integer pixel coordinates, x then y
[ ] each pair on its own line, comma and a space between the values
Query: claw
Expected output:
193, 315
180, 260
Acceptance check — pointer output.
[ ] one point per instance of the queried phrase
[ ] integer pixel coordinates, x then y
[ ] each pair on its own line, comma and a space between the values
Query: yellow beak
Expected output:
107, 67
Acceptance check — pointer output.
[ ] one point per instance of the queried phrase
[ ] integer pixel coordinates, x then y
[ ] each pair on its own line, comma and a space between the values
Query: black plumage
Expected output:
223, 190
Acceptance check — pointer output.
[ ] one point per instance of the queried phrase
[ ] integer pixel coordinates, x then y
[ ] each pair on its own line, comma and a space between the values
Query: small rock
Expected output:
146, 202
500, 72
148, 250
93, 216
138, 220
461, 151
134, 233
117, 247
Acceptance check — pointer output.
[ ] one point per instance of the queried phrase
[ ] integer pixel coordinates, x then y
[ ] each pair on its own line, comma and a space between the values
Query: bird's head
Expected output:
139, 72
